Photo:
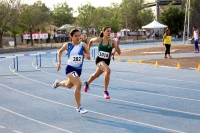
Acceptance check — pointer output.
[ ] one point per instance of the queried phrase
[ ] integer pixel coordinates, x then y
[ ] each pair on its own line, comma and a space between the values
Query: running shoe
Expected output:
55, 84
81, 110
106, 95
86, 88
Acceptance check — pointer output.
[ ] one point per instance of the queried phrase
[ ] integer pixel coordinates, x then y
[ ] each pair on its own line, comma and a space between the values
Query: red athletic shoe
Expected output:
106, 95
86, 88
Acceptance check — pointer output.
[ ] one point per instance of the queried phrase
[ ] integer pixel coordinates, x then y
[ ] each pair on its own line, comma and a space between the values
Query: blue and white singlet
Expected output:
75, 55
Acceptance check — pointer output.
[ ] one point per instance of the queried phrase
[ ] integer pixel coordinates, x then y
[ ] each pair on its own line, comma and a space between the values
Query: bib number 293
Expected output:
104, 55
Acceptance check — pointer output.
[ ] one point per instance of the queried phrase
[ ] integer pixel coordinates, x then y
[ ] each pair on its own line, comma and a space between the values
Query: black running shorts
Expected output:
98, 59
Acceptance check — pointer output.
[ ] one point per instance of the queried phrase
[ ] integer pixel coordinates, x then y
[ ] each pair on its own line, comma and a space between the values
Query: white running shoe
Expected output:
55, 84
81, 110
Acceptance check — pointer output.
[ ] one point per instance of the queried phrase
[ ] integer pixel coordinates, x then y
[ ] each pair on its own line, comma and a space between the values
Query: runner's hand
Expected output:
59, 67
86, 56
113, 56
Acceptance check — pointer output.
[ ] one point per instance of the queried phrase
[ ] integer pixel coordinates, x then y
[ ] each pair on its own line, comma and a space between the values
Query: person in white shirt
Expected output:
117, 40
196, 39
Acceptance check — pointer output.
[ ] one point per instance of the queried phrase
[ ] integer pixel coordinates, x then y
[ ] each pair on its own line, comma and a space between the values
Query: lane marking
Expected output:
17, 131
146, 71
2, 127
119, 118
182, 98
138, 82
177, 111
143, 75
31, 119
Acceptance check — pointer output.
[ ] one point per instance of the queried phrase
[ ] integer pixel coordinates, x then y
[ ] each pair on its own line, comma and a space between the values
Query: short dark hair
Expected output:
195, 27
73, 32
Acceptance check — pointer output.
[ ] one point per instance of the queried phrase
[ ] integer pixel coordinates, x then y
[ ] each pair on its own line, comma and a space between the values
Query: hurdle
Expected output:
9, 57
94, 53
40, 57
20, 55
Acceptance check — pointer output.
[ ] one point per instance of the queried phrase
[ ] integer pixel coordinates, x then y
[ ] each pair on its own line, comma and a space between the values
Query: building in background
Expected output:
159, 5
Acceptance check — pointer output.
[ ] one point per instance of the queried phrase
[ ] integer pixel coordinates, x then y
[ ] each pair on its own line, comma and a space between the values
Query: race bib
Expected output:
104, 55
77, 59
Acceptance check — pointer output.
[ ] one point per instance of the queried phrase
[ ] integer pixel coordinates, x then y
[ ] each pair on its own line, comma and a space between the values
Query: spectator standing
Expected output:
196, 39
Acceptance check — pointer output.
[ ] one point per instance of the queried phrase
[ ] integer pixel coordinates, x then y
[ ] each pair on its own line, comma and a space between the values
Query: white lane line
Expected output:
31, 119
177, 111
152, 84
143, 75
119, 118
2, 127
146, 71
14, 131
137, 82
182, 98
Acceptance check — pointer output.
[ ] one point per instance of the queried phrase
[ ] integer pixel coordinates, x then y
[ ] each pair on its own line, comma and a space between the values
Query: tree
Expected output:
145, 16
98, 17
5, 16
62, 14
194, 14
137, 13
114, 19
173, 17
33, 16
107, 16
85, 15
14, 20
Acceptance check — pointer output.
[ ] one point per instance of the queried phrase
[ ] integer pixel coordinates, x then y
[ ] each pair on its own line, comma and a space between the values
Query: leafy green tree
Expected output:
98, 18
107, 16
84, 17
194, 14
62, 14
33, 16
137, 13
14, 20
5, 16
173, 17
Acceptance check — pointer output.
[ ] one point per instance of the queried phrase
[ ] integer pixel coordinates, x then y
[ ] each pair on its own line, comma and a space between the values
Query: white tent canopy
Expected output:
153, 25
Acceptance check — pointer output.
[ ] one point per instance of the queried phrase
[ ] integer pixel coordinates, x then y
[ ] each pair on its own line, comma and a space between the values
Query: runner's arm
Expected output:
164, 36
96, 39
86, 51
116, 45
63, 48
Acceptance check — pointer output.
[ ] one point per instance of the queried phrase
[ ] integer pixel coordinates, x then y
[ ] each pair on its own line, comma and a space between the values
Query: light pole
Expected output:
126, 28
187, 21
